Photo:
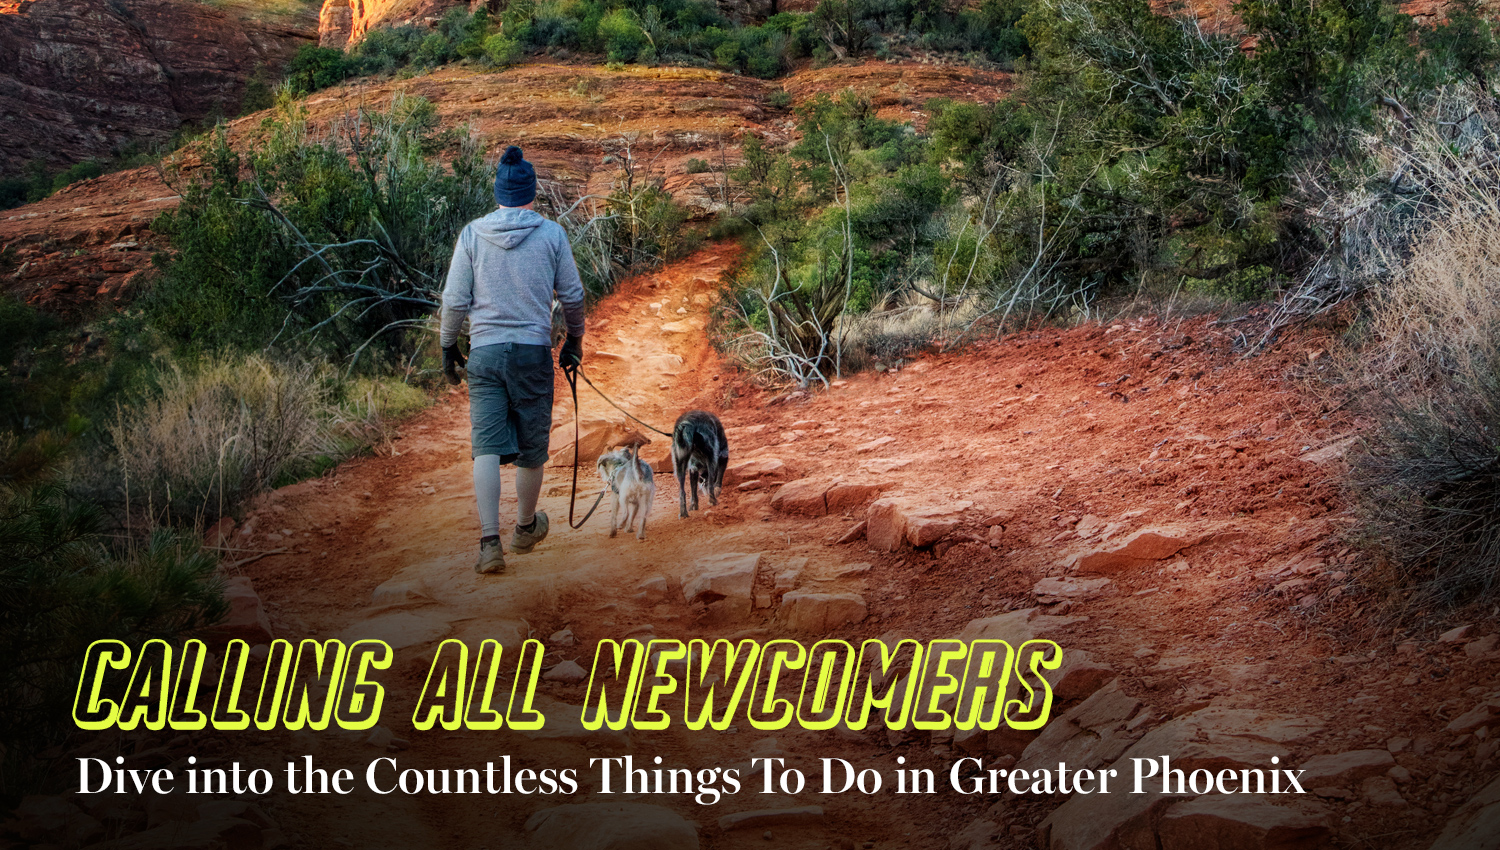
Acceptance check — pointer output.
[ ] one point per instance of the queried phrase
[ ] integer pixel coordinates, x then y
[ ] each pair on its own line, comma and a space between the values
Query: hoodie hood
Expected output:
508, 228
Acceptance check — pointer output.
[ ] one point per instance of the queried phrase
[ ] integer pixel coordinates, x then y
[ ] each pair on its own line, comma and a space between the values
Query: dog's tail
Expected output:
633, 460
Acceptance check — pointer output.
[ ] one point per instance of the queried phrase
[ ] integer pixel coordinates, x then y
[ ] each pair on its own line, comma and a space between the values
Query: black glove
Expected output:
453, 360
571, 355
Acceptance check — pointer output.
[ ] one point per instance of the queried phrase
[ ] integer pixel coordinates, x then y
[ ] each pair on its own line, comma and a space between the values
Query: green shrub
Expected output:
343, 255
624, 38
696, 166
61, 590
501, 51
389, 49
314, 68
77, 172
434, 50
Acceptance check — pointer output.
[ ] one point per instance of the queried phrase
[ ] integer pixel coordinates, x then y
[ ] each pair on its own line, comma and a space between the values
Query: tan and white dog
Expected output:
632, 486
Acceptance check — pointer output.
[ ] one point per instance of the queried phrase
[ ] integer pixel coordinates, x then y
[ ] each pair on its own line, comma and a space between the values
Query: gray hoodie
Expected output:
505, 271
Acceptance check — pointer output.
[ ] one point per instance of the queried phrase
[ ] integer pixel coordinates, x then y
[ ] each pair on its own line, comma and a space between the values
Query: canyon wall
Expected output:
84, 78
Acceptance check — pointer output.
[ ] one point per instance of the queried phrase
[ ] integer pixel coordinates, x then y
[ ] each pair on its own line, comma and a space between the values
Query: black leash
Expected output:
611, 403
573, 374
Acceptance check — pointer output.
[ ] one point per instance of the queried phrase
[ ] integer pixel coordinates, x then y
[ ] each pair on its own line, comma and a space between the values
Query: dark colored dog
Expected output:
700, 452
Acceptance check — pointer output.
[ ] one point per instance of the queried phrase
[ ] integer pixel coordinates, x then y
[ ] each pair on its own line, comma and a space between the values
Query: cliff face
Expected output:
342, 23
82, 78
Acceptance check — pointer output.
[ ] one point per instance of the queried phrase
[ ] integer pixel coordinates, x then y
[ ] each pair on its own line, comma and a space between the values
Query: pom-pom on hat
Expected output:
515, 180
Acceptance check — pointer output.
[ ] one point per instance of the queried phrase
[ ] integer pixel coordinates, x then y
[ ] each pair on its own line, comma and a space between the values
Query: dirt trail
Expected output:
1033, 463
384, 549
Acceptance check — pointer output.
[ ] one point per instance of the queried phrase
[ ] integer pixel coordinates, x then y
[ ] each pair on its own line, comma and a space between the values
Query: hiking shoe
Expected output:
491, 557
523, 541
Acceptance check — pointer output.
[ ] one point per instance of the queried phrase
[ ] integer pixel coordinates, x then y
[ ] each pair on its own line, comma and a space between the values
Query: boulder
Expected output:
595, 437
1233, 822
1077, 678
398, 591
1456, 634
1344, 768
1482, 714
1212, 739
1481, 647
1217, 738
1142, 547
1476, 824
848, 495
1091, 734
755, 469
729, 577
924, 531
895, 521
247, 619
653, 590
821, 495
382, 738
804, 497
1080, 676
611, 826
819, 613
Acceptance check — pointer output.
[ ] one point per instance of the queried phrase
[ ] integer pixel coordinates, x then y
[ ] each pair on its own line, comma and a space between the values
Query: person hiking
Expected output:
506, 269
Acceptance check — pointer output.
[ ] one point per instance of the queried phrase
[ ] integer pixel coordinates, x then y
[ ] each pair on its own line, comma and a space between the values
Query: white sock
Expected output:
528, 490
487, 493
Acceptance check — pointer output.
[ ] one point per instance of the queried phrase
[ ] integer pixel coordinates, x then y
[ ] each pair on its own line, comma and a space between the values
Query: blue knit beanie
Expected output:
515, 180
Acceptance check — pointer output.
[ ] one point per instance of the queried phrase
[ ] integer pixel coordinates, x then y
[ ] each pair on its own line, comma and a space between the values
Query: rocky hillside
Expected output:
89, 245
92, 76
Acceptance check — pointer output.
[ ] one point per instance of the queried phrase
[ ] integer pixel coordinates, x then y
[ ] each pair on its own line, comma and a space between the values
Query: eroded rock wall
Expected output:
84, 78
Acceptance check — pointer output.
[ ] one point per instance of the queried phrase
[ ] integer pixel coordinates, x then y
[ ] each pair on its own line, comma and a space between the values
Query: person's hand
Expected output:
571, 355
453, 360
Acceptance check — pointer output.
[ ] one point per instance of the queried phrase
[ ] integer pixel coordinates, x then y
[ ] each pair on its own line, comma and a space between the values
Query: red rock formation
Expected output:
82, 78
342, 23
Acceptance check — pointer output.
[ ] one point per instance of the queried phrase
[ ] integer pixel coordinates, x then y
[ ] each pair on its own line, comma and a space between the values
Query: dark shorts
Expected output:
510, 402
